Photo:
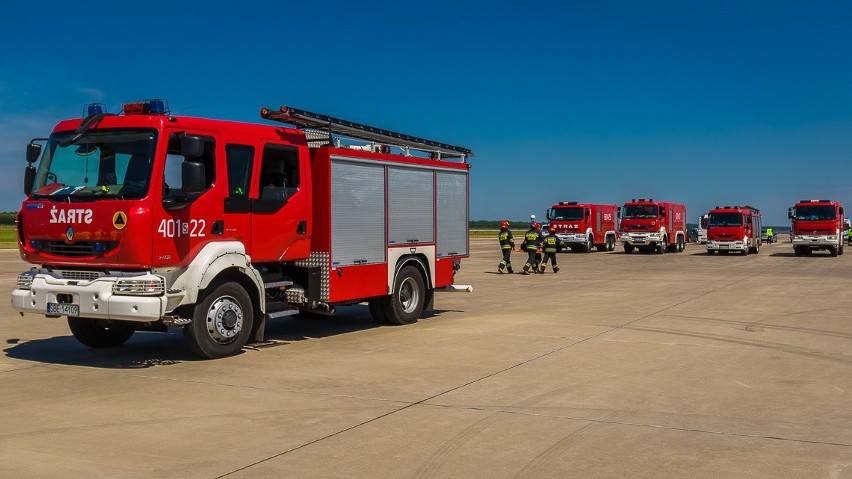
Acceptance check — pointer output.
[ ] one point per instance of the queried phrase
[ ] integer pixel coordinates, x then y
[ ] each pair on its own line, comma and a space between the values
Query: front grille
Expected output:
78, 248
80, 275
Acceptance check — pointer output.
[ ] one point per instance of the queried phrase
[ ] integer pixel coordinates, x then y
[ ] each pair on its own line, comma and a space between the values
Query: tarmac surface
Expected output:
638, 366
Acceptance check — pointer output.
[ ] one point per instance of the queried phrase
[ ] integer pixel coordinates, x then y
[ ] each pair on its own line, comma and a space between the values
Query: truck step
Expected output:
281, 314
277, 284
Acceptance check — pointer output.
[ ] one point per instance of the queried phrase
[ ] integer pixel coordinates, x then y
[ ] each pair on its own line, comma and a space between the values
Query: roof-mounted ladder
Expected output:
306, 119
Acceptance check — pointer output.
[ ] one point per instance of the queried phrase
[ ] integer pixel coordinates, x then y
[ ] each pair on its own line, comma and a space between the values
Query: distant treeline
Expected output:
7, 218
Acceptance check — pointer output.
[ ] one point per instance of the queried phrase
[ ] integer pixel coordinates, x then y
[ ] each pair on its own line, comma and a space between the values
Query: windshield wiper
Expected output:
83, 128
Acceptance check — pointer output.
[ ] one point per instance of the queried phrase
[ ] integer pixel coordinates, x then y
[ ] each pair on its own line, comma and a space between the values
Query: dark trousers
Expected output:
548, 256
507, 253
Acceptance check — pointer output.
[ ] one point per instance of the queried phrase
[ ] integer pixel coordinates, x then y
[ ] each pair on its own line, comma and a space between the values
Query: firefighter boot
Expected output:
510, 269
526, 269
502, 267
555, 269
541, 268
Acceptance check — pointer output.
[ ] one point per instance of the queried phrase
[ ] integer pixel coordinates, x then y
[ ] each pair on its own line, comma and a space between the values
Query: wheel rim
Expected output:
224, 320
409, 296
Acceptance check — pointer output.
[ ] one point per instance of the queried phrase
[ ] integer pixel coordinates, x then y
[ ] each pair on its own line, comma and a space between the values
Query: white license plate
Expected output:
723, 246
66, 309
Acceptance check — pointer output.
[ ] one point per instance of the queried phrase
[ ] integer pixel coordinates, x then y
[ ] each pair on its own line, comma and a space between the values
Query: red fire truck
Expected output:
143, 220
817, 225
734, 228
584, 225
653, 226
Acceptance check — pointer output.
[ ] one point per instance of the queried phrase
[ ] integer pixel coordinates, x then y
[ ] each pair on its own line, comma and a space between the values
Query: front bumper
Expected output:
815, 241
641, 239
95, 297
726, 245
573, 238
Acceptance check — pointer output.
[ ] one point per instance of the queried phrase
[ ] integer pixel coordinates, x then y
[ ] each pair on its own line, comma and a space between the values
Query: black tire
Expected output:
840, 249
710, 252
101, 333
661, 248
221, 323
376, 310
628, 248
832, 250
610, 243
590, 243
681, 244
797, 251
409, 296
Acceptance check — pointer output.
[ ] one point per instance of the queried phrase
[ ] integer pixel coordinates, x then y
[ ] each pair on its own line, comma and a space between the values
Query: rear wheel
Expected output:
101, 333
409, 296
221, 323
610, 243
681, 244
376, 310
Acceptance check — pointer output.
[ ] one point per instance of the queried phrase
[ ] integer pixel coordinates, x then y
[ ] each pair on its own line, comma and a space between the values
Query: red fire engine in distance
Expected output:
734, 228
651, 225
582, 226
817, 225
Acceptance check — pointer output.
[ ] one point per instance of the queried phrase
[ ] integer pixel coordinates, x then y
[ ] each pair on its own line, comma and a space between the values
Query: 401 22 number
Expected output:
179, 228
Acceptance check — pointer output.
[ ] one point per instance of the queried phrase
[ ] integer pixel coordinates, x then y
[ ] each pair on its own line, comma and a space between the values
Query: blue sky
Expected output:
704, 103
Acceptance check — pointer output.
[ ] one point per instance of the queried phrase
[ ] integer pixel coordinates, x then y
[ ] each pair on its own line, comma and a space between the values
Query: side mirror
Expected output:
790, 213
548, 213
29, 177
588, 212
191, 146
192, 177
33, 152
662, 211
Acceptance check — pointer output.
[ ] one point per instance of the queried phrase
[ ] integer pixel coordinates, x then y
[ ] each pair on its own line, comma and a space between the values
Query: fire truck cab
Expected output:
144, 220
734, 228
817, 225
582, 226
653, 226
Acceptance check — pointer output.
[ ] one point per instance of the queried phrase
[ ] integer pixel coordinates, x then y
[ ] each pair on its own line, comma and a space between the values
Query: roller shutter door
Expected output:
357, 213
411, 209
452, 214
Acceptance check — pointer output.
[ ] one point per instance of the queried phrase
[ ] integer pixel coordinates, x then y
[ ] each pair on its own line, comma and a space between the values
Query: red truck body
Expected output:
734, 228
145, 219
817, 225
653, 226
584, 225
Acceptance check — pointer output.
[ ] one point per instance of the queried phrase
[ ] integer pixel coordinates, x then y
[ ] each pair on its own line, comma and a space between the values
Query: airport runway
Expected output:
635, 366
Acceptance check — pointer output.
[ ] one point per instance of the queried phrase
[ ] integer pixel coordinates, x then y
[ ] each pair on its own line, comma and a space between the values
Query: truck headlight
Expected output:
25, 280
140, 287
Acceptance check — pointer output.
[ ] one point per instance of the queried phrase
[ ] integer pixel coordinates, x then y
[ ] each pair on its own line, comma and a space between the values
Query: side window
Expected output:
240, 159
279, 175
172, 184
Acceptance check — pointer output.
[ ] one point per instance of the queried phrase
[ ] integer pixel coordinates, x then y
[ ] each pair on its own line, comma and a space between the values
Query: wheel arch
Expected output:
419, 261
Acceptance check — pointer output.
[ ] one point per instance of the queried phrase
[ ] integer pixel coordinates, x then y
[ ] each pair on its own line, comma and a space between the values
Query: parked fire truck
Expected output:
143, 220
734, 228
653, 226
582, 226
817, 225
702, 228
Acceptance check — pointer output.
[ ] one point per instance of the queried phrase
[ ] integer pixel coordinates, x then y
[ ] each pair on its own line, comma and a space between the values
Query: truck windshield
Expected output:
726, 219
567, 214
108, 163
640, 211
815, 212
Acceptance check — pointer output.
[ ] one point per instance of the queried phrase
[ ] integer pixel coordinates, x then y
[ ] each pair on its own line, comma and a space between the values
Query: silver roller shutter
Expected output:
411, 209
357, 213
452, 214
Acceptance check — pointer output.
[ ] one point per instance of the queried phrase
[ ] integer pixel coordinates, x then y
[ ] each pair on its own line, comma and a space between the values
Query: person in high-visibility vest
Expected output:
849, 236
532, 240
550, 245
769, 235
507, 244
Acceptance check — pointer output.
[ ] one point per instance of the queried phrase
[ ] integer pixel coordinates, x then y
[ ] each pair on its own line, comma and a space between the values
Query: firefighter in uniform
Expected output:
769, 235
507, 244
550, 245
532, 239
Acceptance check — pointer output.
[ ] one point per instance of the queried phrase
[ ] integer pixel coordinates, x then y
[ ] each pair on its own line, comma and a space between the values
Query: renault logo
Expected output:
69, 234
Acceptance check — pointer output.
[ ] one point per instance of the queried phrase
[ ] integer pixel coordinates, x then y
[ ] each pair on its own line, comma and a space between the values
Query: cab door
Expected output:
280, 213
184, 223
240, 159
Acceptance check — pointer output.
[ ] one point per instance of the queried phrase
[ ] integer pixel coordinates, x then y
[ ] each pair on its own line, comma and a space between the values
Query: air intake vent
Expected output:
79, 248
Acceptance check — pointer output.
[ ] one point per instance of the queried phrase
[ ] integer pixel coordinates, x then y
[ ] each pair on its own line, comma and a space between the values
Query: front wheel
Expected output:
628, 248
662, 246
101, 333
221, 323
409, 296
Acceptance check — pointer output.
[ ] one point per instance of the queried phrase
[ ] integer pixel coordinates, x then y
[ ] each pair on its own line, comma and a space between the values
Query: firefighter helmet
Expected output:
535, 225
551, 228
504, 224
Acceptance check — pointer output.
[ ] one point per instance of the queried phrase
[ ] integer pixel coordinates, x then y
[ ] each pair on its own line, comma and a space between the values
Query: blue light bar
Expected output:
93, 109
156, 107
